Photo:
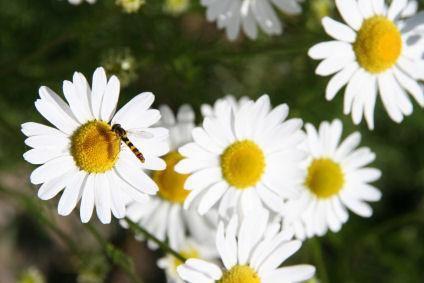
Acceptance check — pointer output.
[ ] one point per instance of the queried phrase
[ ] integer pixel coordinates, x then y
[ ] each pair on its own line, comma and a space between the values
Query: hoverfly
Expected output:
122, 134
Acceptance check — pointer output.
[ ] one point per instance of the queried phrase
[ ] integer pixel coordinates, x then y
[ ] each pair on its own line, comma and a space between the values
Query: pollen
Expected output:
240, 274
378, 44
325, 178
243, 164
171, 183
95, 147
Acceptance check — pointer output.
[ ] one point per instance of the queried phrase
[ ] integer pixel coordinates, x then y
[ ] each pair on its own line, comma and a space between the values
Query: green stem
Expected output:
319, 259
163, 246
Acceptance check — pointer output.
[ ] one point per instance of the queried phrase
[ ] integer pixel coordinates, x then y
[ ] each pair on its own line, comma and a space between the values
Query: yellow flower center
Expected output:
378, 44
240, 274
171, 183
187, 254
95, 147
325, 177
242, 164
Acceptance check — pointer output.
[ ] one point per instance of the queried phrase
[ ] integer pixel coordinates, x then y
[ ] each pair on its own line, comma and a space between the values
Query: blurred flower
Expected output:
83, 156
371, 57
249, 254
164, 216
209, 111
190, 249
31, 275
336, 178
77, 2
234, 15
130, 6
122, 63
176, 7
242, 159
410, 10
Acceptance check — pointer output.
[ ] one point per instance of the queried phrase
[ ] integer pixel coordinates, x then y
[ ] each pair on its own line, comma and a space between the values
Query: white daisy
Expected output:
191, 249
234, 15
77, 2
251, 253
243, 158
212, 110
371, 56
164, 216
336, 178
84, 156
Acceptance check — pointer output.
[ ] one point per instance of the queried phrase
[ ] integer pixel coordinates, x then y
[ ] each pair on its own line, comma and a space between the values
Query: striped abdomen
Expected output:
133, 148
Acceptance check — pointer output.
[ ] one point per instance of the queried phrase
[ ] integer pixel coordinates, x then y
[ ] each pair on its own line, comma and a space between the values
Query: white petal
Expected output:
56, 111
328, 49
52, 169
279, 255
379, 7
296, 273
334, 64
52, 187
350, 12
396, 8
110, 99
288, 6
130, 115
41, 156
214, 193
339, 80
72, 194
99, 88
210, 269
410, 85
87, 200
193, 276
357, 206
366, 8
388, 97
102, 198
338, 30
136, 177
35, 129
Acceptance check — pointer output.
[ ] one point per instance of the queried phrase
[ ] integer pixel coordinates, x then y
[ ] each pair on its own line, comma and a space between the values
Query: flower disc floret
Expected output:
325, 177
240, 274
95, 147
171, 183
378, 44
243, 164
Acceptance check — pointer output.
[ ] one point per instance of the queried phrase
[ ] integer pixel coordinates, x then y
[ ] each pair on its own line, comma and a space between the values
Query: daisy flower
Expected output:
164, 215
84, 157
211, 110
336, 178
191, 249
247, 15
242, 159
251, 253
371, 56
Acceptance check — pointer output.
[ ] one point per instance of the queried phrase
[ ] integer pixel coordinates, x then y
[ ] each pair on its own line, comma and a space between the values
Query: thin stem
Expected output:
115, 255
163, 246
319, 260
